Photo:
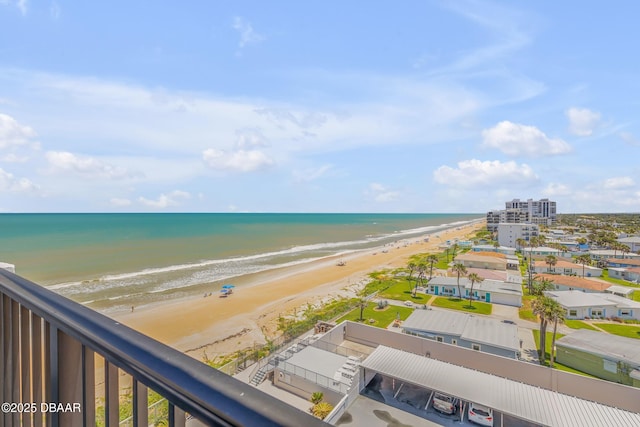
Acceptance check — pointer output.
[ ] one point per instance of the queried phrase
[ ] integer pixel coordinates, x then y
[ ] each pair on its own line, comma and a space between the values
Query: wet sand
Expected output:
223, 325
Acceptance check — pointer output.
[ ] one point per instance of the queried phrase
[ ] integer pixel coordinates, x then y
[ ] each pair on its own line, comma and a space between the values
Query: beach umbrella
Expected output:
227, 286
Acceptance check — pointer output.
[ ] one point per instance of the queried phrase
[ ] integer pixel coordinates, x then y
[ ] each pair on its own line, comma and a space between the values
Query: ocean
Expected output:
114, 261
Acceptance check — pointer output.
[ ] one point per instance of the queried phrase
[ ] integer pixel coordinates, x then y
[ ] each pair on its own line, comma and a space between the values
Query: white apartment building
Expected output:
542, 212
509, 233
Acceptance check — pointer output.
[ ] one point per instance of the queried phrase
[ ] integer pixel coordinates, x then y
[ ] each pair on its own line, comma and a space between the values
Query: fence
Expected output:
48, 350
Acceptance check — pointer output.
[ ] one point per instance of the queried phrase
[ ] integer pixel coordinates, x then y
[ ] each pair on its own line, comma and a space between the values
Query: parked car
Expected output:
445, 403
408, 303
480, 414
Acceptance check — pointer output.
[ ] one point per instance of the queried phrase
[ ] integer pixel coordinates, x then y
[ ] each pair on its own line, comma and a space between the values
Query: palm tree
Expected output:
473, 278
556, 315
541, 284
520, 243
431, 259
412, 267
362, 304
539, 307
624, 249
460, 270
584, 259
550, 260
421, 268
455, 248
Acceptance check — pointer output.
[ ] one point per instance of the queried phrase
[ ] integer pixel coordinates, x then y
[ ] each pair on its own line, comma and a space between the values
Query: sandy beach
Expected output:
223, 325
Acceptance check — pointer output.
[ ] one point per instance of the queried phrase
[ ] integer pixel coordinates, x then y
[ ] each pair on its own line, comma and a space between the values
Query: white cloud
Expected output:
381, 193
84, 165
119, 202
247, 34
476, 173
10, 183
554, 189
23, 6
619, 182
166, 200
582, 121
12, 133
311, 174
238, 160
54, 10
13, 158
514, 139
629, 138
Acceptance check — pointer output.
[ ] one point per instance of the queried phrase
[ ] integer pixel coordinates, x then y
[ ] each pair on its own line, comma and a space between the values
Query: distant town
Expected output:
536, 304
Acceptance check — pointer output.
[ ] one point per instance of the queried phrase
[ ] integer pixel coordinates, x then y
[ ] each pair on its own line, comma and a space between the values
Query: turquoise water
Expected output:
110, 261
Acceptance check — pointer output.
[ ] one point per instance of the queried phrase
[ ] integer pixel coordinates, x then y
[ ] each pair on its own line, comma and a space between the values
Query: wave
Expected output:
243, 263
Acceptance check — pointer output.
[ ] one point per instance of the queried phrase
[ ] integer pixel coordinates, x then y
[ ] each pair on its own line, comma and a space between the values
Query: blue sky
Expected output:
414, 106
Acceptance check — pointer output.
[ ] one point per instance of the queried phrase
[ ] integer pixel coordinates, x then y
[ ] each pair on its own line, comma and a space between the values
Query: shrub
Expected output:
321, 410
316, 397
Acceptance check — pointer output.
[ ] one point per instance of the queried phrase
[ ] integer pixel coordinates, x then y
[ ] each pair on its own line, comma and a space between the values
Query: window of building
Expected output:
439, 339
596, 313
475, 347
454, 341
625, 312
573, 313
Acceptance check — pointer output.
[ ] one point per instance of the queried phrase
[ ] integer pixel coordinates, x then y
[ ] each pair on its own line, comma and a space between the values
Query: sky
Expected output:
290, 106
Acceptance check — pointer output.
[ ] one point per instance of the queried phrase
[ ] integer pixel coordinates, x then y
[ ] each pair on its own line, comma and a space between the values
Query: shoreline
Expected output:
219, 326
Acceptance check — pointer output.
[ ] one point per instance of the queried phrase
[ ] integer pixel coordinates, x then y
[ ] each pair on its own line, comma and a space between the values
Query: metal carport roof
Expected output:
524, 401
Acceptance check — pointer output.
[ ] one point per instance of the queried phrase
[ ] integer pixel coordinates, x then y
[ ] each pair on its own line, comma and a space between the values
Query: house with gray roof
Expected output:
581, 305
632, 241
493, 291
606, 356
465, 330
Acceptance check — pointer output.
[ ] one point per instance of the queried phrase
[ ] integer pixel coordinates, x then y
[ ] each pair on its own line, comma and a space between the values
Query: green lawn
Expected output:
578, 324
463, 305
401, 291
382, 319
605, 276
636, 296
525, 311
628, 331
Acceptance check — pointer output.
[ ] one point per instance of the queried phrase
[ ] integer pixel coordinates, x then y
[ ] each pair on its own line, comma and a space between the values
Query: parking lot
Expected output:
404, 404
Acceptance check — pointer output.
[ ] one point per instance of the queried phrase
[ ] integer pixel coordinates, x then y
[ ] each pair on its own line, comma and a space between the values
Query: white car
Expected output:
408, 303
480, 414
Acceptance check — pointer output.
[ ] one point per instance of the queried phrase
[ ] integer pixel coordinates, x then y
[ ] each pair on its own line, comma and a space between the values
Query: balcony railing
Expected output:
50, 352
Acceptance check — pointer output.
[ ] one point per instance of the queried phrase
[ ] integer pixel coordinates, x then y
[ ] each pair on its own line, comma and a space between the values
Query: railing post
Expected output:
36, 366
14, 380
89, 386
111, 395
140, 405
176, 416
52, 378
3, 346
25, 354
70, 381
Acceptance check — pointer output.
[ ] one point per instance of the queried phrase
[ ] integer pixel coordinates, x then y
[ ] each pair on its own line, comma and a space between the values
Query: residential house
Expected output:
632, 241
622, 291
490, 248
606, 356
488, 260
624, 263
493, 291
581, 305
465, 330
569, 283
604, 254
631, 274
566, 268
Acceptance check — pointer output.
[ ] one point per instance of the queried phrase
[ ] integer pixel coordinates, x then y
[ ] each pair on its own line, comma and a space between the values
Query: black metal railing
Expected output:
51, 349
